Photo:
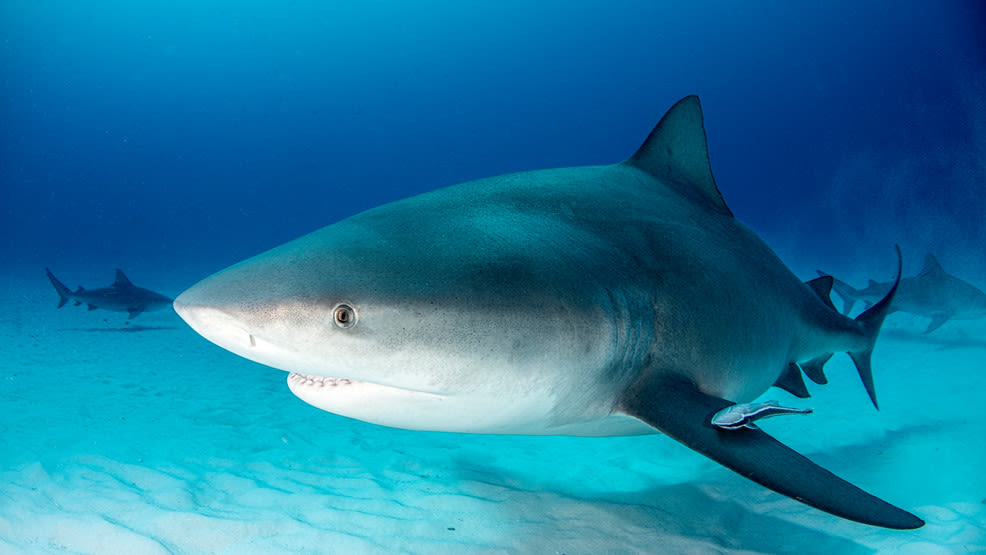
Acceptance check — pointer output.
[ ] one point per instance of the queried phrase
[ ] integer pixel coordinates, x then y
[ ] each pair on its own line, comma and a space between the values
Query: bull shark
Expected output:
121, 296
933, 293
597, 301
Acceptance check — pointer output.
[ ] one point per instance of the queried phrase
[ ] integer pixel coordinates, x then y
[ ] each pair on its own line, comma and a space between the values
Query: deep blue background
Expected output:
175, 138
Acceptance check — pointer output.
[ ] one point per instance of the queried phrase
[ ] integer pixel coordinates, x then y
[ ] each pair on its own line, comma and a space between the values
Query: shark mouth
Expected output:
306, 385
309, 380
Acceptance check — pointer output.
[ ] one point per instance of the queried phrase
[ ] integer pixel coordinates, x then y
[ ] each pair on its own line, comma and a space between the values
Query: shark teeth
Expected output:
317, 381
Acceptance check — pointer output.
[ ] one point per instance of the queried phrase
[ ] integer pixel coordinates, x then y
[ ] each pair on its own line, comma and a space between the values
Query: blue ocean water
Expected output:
174, 139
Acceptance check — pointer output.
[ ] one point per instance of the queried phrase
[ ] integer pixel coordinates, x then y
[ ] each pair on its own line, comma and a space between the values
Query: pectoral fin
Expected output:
937, 319
677, 408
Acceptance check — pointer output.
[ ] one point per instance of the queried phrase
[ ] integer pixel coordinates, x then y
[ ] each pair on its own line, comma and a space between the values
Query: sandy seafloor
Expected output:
145, 438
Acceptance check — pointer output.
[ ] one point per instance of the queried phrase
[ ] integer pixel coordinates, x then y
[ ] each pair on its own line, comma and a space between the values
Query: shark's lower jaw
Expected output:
375, 403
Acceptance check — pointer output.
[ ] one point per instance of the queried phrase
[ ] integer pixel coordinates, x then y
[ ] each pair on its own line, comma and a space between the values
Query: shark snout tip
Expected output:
189, 305
180, 305
205, 318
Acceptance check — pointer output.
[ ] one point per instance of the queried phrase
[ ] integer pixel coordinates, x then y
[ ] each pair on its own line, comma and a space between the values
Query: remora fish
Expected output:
933, 293
598, 300
121, 296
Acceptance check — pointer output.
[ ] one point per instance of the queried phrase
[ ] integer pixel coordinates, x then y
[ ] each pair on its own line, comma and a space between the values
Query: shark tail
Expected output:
64, 295
870, 322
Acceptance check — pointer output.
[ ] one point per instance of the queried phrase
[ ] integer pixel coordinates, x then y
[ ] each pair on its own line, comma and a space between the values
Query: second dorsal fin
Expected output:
822, 286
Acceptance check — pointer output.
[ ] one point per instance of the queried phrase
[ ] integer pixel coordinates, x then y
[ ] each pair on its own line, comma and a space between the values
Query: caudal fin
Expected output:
870, 322
63, 292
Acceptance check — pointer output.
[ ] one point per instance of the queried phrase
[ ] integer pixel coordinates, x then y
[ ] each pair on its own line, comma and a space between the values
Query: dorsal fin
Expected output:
677, 153
822, 286
931, 266
121, 280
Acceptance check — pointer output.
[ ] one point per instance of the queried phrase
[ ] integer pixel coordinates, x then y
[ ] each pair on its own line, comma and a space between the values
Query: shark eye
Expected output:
344, 316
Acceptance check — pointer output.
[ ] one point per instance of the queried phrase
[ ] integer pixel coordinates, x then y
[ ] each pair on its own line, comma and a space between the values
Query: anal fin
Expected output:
814, 368
937, 319
676, 407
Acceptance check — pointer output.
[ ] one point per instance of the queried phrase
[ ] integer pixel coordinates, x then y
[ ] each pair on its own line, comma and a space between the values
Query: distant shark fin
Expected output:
931, 267
121, 280
677, 153
937, 319
676, 407
870, 322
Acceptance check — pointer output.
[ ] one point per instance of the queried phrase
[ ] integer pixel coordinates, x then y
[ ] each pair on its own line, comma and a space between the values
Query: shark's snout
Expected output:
212, 322
189, 307
181, 306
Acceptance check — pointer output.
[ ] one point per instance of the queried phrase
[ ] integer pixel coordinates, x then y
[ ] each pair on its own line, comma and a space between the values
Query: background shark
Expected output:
121, 296
932, 293
601, 300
